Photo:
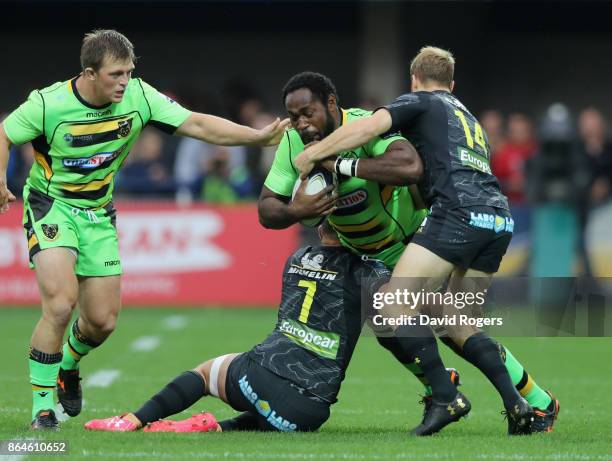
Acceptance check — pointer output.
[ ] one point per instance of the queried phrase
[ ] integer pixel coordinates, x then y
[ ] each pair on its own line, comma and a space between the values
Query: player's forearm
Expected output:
217, 130
274, 214
345, 138
5, 145
394, 168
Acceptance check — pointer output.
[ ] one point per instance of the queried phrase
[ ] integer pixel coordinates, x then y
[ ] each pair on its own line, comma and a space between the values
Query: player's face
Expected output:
310, 117
112, 79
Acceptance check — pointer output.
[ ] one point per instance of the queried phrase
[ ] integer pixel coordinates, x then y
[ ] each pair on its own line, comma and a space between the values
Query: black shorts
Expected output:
278, 404
471, 238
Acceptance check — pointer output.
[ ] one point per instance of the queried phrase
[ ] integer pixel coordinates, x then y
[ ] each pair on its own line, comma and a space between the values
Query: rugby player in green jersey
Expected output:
82, 130
374, 213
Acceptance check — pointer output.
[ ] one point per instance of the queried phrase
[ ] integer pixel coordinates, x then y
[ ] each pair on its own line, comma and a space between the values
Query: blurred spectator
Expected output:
508, 163
596, 161
597, 151
146, 172
197, 160
492, 122
223, 183
251, 113
245, 106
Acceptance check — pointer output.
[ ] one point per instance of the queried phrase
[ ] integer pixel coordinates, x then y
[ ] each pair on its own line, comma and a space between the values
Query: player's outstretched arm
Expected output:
400, 165
5, 195
345, 138
217, 130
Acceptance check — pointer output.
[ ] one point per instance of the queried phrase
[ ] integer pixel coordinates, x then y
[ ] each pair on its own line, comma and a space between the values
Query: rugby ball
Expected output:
318, 179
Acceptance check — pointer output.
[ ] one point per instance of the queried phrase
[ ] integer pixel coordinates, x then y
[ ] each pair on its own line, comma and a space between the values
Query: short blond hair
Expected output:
101, 44
433, 64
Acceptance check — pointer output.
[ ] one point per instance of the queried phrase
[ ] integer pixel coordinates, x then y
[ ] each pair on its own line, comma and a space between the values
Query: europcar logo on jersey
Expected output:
264, 408
491, 222
322, 343
352, 199
473, 160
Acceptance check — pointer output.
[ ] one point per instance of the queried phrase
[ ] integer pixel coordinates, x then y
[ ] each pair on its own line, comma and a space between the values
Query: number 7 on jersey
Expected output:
311, 287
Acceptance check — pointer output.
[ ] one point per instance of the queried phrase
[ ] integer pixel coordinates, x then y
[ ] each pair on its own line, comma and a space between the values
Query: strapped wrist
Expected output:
346, 166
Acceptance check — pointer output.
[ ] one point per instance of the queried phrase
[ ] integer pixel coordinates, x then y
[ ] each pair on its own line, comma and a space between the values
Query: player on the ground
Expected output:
469, 226
82, 130
373, 212
289, 381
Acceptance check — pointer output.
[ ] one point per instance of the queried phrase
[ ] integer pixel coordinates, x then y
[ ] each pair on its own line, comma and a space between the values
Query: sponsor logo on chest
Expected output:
98, 114
94, 161
352, 199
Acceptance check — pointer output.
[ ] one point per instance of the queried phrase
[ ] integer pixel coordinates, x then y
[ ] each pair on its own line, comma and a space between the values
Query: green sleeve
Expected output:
26, 122
282, 175
166, 114
378, 145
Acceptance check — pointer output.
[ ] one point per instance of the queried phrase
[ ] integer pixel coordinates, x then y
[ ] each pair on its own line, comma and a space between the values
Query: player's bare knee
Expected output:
102, 325
58, 313
54, 294
204, 371
459, 334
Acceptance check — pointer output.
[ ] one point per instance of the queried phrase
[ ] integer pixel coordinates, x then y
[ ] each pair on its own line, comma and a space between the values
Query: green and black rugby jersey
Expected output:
78, 147
372, 219
320, 317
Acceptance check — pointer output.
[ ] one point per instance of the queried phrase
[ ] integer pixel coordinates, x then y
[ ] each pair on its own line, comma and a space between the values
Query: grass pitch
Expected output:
377, 404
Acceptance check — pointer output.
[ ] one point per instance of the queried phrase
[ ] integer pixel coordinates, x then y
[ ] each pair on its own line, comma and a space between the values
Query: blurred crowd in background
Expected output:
531, 167
187, 170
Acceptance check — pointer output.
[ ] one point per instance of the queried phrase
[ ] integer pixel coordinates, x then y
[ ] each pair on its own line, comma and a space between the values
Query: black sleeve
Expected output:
404, 110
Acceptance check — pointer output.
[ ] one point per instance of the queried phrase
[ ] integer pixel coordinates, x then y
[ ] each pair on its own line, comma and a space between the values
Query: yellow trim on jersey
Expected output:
33, 241
96, 127
386, 193
376, 245
344, 117
356, 227
90, 186
42, 161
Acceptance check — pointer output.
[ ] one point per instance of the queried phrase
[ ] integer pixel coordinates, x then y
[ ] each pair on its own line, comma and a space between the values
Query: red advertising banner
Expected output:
173, 256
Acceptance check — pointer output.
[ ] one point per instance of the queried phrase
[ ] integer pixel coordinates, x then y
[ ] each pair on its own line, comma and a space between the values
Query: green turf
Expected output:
378, 401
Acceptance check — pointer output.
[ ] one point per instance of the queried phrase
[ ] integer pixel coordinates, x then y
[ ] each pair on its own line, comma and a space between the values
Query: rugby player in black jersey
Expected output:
289, 381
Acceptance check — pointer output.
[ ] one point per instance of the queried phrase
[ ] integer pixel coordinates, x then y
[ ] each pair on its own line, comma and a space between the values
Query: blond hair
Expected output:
101, 44
434, 65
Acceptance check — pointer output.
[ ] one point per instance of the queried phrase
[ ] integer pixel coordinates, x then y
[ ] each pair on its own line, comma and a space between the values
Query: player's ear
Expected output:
332, 102
89, 73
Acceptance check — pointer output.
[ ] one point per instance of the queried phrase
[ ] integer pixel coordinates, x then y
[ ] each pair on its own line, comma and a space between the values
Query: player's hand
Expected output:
6, 196
271, 134
329, 164
304, 163
306, 206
